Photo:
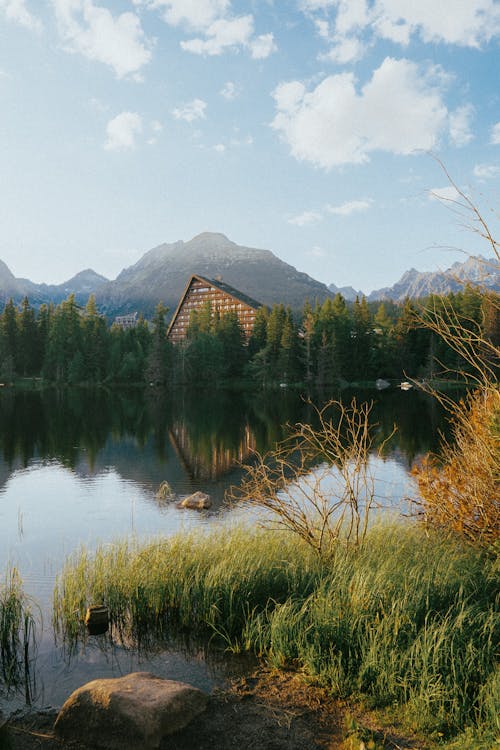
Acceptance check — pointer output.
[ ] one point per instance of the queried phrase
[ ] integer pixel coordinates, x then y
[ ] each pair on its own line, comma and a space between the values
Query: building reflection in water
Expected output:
215, 457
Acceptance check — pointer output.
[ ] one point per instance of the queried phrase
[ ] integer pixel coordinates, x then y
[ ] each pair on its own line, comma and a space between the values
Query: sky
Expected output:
317, 129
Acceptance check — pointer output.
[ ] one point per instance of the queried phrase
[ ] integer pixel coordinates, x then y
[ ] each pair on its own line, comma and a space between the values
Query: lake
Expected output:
82, 467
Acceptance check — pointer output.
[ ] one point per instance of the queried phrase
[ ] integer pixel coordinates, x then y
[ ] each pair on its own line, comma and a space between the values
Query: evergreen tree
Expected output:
258, 338
382, 349
10, 333
308, 325
94, 342
43, 320
232, 338
64, 340
341, 337
158, 357
26, 354
289, 360
361, 336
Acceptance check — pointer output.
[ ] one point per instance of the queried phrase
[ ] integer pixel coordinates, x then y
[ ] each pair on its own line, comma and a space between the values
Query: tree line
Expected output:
328, 343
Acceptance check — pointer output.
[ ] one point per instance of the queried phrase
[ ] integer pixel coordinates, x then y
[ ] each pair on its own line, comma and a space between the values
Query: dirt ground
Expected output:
267, 711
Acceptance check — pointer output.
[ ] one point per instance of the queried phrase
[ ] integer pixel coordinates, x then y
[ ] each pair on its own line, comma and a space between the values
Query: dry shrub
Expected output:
318, 482
460, 491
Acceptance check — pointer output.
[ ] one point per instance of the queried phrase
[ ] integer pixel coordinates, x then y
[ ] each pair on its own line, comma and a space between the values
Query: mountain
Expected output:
347, 292
163, 272
82, 285
483, 272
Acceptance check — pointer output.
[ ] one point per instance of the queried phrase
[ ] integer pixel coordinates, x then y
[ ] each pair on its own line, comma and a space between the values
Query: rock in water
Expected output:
196, 501
126, 713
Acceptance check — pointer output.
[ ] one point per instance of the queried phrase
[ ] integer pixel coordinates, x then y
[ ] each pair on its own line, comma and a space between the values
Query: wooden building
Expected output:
223, 299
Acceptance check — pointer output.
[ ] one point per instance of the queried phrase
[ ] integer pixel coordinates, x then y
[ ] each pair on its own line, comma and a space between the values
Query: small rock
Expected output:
164, 491
196, 501
126, 713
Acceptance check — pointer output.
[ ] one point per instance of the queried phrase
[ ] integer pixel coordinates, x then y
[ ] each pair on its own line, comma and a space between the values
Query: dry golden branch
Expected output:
465, 337
317, 482
460, 491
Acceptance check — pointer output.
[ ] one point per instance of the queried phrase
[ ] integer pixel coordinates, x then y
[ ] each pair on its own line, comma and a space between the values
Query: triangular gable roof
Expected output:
226, 288
232, 292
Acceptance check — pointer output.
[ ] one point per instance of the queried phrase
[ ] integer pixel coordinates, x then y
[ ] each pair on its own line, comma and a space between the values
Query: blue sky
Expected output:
301, 126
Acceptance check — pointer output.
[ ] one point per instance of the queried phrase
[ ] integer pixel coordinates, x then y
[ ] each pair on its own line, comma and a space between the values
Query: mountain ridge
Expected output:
477, 270
162, 272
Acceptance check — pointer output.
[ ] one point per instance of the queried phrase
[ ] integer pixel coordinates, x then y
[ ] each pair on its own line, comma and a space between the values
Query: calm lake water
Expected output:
82, 467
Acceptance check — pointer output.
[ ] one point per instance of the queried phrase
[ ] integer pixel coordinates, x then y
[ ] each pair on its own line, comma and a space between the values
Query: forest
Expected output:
334, 342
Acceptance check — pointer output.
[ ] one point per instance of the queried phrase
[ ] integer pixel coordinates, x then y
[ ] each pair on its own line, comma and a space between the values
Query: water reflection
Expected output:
209, 433
82, 466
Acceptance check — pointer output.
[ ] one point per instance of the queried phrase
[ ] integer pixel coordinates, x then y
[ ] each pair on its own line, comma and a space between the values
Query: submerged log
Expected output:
97, 619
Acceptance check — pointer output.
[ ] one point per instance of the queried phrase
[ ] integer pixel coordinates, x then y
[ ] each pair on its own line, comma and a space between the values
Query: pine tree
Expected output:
27, 339
10, 334
289, 360
94, 342
157, 367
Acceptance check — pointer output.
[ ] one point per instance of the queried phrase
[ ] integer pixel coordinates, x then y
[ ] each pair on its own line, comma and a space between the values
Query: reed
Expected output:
407, 619
17, 633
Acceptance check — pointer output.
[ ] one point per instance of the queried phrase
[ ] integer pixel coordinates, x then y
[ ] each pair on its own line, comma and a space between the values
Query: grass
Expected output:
408, 621
17, 633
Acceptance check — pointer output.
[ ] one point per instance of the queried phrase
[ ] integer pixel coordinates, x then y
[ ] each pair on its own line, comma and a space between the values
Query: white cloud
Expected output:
312, 5
222, 35
262, 46
399, 111
95, 33
229, 91
447, 193
16, 11
460, 125
197, 14
156, 127
486, 171
345, 49
351, 15
122, 130
220, 31
220, 148
322, 27
314, 216
495, 134
305, 218
317, 252
466, 23
191, 111
350, 207
98, 105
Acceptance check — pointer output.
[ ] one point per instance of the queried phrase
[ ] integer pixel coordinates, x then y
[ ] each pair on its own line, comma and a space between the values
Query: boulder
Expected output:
196, 501
130, 712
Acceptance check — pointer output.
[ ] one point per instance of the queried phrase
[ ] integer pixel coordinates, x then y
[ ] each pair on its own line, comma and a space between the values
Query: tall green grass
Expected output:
17, 633
408, 619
